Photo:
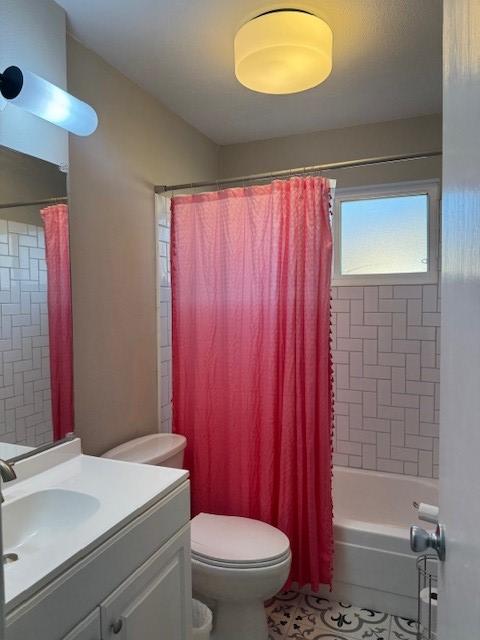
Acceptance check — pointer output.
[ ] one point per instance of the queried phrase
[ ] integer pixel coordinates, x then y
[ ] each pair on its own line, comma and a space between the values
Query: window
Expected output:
386, 235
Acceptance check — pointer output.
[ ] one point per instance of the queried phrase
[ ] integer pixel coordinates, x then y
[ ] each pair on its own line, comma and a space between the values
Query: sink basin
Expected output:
33, 522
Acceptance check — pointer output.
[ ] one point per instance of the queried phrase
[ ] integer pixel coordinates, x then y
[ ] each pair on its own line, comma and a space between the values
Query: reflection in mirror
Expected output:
27, 187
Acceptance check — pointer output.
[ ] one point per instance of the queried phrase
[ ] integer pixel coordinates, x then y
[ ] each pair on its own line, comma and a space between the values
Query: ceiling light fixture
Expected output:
45, 100
283, 51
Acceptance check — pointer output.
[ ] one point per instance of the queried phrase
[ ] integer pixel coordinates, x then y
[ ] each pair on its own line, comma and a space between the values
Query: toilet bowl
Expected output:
238, 563
162, 449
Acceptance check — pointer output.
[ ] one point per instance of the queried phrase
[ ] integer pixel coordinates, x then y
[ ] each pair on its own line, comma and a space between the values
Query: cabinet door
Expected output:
88, 629
155, 602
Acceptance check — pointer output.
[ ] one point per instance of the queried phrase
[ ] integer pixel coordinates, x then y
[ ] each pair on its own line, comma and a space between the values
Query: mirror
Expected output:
33, 313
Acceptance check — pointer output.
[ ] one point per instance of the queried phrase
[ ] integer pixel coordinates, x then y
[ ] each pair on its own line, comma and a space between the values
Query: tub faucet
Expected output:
7, 474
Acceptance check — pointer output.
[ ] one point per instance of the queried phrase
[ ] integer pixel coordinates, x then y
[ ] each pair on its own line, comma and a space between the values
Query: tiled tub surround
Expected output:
386, 350
164, 314
25, 398
386, 342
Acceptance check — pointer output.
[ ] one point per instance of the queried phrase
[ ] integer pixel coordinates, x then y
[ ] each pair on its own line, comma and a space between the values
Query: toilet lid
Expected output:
152, 449
231, 539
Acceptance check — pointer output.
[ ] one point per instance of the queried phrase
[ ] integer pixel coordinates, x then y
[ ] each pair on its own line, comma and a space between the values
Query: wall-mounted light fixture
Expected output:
45, 100
283, 51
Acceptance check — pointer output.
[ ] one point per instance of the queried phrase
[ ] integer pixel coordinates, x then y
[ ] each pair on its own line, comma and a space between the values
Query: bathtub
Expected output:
373, 511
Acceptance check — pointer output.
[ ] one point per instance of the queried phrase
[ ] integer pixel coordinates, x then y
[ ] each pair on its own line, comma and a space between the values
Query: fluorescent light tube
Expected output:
47, 101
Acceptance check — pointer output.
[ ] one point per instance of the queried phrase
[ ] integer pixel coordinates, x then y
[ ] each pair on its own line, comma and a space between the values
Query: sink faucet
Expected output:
7, 474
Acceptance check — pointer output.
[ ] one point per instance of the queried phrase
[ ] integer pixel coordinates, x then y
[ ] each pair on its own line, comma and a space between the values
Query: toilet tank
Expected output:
161, 449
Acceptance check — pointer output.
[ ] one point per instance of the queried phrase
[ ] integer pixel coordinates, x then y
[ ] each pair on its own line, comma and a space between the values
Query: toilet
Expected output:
237, 563
161, 449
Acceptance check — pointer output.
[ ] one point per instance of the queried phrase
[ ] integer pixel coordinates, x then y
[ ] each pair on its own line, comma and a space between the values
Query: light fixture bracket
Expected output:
11, 82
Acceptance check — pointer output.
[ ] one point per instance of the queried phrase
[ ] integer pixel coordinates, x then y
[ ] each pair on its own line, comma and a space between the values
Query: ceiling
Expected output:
386, 61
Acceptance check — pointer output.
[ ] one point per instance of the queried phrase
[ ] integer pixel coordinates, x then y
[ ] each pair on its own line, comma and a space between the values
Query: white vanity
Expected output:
103, 549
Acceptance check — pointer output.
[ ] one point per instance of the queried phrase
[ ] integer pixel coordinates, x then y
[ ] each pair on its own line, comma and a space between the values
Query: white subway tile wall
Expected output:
385, 342
25, 395
164, 314
386, 350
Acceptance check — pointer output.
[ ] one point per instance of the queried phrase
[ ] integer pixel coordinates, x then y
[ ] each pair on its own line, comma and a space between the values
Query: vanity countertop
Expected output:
56, 516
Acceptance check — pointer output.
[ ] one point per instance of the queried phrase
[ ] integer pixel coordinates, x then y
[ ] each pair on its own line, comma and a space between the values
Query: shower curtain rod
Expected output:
364, 162
12, 205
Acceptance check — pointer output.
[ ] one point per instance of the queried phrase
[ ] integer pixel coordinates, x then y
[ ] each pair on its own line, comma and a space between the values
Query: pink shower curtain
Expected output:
251, 359
55, 220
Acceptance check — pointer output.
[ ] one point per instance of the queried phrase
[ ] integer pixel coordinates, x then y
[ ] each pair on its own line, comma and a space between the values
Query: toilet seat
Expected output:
233, 542
209, 562
238, 564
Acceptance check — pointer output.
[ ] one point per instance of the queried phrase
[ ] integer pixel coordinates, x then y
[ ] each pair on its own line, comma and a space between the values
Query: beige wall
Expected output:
413, 135
112, 173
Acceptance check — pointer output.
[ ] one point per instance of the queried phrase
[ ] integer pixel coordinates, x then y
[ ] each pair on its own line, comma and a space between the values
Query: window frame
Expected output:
430, 188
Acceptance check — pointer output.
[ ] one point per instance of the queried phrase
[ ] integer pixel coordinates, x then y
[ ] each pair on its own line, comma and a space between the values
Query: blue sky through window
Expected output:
384, 235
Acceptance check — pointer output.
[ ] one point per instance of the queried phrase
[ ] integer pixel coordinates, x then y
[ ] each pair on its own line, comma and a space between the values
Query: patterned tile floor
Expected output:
297, 616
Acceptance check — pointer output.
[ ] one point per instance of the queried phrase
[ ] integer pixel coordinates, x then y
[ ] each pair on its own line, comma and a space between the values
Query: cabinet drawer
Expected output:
155, 602
88, 629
